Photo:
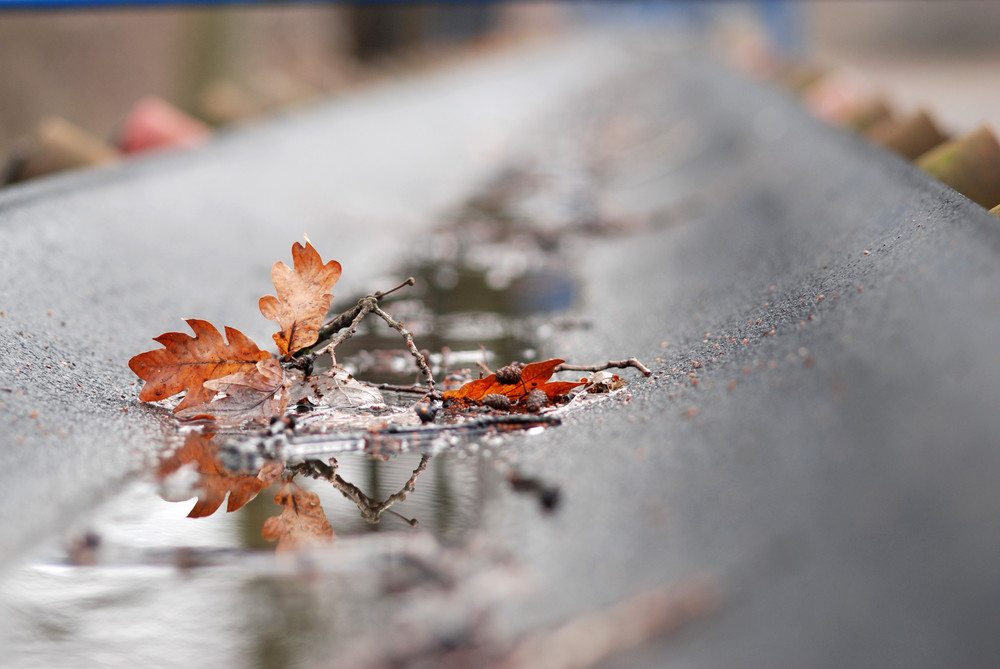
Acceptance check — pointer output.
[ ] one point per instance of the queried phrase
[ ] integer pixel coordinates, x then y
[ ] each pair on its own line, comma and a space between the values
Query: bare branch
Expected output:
408, 338
346, 318
335, 325
619, 364
482, 363
415, 388
365, 306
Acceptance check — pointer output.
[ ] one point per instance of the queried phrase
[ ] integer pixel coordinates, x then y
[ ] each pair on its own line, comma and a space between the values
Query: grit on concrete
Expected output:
833, 466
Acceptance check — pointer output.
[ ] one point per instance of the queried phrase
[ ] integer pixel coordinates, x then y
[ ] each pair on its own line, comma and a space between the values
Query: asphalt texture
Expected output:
834, 465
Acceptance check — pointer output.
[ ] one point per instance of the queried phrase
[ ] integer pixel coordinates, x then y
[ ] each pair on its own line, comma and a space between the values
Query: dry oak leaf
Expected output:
186, 363
302, 522
303, 298
534, 376
251, 395
214, 480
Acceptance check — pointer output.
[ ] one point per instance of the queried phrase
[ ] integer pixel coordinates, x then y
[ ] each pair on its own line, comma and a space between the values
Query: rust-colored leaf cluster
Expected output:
302, 522
253, 382
255, 394
514, 387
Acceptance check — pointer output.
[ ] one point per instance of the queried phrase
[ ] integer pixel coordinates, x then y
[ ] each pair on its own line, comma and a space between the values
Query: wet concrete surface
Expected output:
830, 463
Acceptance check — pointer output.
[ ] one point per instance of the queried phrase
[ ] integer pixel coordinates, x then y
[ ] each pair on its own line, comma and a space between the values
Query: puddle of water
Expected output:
458, 317
142, 573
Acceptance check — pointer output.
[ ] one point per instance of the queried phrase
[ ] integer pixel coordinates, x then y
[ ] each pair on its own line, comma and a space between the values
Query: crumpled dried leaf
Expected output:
251, 395
186, 363
534, 376
302, 522
336, 389
214, 480
605, 382
303, 298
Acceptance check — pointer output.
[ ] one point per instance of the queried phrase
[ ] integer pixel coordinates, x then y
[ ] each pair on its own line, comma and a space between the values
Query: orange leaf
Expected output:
256, 394
302, 522
533, 376
303, 298
214, 480
556, 389
186, 363
474, 390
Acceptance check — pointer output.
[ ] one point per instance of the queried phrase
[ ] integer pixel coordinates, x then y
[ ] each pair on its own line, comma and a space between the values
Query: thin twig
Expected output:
335, 325
378, 295
417, 436
415, 388
619, 364
407, 487
408, 338
370, 510
365, 306
346, 318
482, 363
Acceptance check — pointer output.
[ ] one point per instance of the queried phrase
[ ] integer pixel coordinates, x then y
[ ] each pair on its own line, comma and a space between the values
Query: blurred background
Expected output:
222, 65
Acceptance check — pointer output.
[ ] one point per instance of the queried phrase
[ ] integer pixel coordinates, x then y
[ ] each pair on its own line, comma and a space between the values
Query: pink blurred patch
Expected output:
154, 123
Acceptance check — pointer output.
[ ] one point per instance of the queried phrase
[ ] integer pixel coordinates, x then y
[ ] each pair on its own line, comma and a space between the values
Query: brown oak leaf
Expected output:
534, 376
214, 480
186, 363
302, 522
303, 298
254, 395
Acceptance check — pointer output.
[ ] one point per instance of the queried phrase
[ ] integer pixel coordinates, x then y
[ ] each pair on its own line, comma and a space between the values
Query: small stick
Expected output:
364, 308
619, 364
335, 325
408, 338
346, 318
409, 282
412, 522
415, 388
482, 363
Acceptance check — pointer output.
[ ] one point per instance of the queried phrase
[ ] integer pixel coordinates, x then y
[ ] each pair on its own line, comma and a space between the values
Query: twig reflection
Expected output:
371, 510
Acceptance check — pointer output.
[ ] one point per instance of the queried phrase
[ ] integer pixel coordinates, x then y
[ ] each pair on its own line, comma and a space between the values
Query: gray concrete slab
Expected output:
834, 465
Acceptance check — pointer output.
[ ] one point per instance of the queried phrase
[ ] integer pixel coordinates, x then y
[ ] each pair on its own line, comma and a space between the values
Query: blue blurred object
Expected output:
784, 22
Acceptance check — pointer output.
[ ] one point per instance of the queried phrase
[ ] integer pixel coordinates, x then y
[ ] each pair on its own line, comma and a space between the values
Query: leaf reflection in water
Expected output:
302, 522
195, 469
200, 455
